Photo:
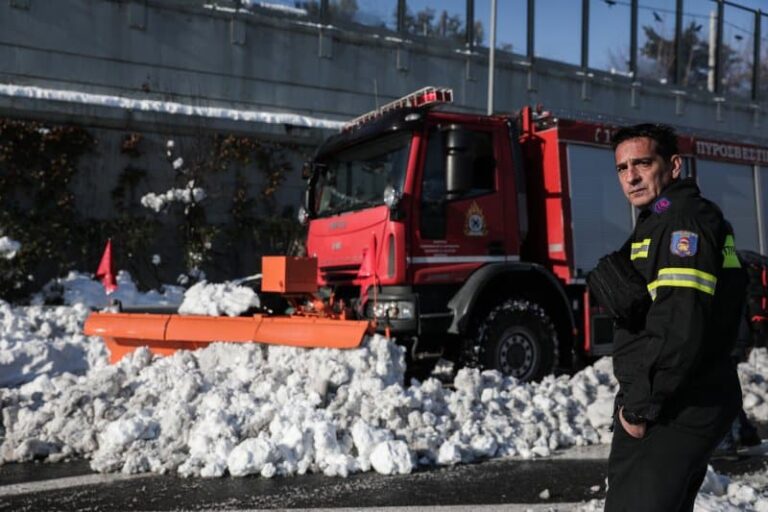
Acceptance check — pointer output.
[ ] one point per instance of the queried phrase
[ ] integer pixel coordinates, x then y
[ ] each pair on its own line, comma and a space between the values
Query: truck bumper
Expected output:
395, 308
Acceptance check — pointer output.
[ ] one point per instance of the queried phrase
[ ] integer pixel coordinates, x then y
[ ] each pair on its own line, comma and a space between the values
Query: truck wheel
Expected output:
518, 339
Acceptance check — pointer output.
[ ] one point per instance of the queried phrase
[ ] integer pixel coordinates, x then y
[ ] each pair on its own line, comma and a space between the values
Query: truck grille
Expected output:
340, 274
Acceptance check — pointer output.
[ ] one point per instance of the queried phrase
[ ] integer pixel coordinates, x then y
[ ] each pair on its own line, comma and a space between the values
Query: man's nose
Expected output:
631, 175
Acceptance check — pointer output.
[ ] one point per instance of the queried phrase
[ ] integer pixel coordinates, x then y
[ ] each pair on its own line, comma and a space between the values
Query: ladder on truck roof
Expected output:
426, 97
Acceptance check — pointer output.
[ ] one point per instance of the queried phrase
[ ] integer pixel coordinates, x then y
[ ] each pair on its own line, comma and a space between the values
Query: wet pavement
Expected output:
573, 476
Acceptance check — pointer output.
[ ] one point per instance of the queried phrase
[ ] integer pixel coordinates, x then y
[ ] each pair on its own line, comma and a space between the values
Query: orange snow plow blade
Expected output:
165, 334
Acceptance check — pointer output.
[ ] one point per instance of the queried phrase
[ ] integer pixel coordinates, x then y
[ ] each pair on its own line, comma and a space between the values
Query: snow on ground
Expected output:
719, 493
243, 409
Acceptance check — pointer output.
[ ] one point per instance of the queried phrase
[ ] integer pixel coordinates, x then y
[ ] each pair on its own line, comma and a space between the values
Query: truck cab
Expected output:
418, 218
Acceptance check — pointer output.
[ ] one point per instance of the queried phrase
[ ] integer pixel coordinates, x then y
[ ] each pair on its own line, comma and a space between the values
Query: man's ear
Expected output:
677, 166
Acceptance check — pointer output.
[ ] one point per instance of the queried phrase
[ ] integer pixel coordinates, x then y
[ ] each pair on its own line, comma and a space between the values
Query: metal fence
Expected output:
718, 46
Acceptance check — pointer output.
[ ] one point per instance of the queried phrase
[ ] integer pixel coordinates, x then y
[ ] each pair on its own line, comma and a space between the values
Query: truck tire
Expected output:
518, 339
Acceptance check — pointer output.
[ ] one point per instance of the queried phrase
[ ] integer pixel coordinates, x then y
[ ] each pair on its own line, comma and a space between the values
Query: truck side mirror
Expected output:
309, 197
306, 170
310, 172
458, 161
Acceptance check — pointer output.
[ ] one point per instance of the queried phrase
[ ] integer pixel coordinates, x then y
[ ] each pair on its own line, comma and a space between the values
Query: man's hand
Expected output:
636, 431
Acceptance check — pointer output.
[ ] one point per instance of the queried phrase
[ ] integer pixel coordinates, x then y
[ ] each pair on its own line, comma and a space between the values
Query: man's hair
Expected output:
664, 135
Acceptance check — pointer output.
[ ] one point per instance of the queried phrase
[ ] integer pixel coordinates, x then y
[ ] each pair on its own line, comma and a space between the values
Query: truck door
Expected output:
458, 232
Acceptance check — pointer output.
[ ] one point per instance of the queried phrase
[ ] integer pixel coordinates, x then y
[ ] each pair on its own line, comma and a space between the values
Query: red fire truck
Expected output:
475, 232
463, 236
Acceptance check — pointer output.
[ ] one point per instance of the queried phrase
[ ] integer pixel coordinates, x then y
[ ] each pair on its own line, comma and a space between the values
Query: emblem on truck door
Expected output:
475, 222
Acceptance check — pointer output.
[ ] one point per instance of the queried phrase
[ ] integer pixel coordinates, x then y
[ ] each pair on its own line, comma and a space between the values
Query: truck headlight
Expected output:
391, 196
394, 310
303, 216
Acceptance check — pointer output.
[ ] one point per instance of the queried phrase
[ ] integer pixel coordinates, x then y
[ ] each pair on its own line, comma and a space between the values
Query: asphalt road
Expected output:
575, 476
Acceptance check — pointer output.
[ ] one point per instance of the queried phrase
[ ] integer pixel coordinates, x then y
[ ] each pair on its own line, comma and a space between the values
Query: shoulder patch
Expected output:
661, 205
684, 243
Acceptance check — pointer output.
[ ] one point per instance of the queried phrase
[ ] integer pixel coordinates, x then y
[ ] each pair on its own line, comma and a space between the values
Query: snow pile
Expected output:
754, 386
243, 409
253, 409
78, 288
45, 340
48, 340
8, 247
186, 195
218, 299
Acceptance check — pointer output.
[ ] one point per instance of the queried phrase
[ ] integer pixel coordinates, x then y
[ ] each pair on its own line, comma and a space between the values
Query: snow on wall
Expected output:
167, 107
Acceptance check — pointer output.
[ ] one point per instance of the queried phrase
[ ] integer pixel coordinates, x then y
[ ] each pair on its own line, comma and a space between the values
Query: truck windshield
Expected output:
355, 178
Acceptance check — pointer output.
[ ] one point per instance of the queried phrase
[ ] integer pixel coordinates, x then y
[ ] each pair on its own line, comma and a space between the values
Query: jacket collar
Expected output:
672, 194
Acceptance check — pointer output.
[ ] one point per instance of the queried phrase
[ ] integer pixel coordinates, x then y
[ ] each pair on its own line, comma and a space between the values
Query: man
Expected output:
679, 391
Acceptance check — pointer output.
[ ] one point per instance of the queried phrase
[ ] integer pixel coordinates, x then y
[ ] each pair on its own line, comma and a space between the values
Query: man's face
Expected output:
643, 173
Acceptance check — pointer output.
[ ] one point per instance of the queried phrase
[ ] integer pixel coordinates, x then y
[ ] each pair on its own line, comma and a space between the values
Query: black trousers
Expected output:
662, 471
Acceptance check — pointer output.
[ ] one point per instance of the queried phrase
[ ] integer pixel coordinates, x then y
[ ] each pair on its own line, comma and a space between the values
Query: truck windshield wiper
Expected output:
339, 209
372, 202
352, 206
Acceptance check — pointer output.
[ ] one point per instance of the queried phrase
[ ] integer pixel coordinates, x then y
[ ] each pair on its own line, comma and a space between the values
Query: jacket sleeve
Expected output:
682, 285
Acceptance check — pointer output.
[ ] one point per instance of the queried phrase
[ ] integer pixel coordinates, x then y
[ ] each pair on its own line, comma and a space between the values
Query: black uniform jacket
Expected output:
675, 366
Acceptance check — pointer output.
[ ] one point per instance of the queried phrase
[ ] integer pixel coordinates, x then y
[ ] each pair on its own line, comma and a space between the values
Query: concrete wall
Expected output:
265, 61
262, 60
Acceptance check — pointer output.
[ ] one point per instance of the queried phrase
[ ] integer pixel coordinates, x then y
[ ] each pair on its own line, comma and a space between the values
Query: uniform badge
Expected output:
662, 205
684, 243
475, 224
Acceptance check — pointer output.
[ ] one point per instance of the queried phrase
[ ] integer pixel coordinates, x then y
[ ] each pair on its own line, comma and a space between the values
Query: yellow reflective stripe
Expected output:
688, 272
684, 278
730, 259
640, 249
679, 284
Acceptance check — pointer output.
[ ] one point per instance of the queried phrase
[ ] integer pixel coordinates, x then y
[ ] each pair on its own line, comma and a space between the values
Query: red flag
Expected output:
106, 271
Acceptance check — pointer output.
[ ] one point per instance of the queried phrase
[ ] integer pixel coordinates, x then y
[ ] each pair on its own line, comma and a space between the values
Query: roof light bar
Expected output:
426, 97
